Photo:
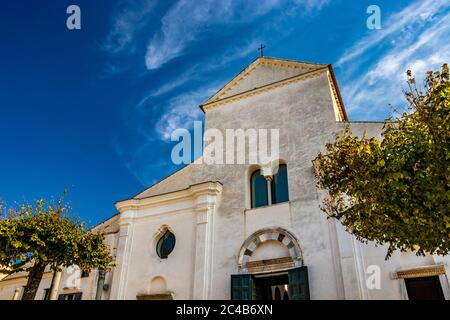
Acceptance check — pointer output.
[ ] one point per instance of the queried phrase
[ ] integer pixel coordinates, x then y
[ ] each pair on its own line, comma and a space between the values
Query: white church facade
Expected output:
240, 231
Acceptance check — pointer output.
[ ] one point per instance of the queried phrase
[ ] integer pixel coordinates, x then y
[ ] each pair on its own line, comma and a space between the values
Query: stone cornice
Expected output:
336, 98
190, 193
336, 94
426, 271
265, 88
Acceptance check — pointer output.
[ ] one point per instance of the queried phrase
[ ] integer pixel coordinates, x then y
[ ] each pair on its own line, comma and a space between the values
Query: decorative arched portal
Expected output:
284, 238
270, 258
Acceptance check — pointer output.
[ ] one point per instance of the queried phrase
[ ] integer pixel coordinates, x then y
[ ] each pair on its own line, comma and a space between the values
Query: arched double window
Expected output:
279, 185
261, 195
259, 190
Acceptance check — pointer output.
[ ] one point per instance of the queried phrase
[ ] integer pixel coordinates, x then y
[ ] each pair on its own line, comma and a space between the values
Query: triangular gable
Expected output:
261, 72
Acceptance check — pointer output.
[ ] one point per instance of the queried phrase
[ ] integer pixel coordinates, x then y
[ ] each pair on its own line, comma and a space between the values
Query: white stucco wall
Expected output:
9, 285
304, 112
144, 261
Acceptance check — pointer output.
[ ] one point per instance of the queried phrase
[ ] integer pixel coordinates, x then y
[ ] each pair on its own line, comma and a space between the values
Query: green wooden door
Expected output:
298, 284
241, 287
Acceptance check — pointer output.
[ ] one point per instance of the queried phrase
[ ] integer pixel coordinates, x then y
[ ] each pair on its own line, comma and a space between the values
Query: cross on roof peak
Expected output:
261, 48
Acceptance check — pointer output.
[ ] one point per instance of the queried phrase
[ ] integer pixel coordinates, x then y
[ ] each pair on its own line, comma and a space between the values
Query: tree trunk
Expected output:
33, 281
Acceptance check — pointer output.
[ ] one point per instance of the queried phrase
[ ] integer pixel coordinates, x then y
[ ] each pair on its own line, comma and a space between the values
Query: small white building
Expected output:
254, 231
73, 284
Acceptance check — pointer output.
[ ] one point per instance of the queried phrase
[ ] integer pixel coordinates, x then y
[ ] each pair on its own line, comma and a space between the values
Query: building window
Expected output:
165, 245
279, 185
70, 296
47, 294
84, 274
258, 190
278, 188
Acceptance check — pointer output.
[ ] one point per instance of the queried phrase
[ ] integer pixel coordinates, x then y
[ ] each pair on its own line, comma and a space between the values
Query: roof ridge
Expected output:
161, 180
295, 61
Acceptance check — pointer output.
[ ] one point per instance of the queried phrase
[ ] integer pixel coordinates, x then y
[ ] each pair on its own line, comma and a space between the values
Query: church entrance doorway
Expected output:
271, 287
270, 267
289, 285
424, 288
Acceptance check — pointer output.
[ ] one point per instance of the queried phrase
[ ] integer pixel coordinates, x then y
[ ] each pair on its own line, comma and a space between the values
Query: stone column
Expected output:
269, 189
204, 243
55, 285
444, 278
17, 293
123, 255
100, 283
360, 268
203, 254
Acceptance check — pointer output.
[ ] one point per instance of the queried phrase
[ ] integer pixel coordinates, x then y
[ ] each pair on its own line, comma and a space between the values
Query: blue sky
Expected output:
93, 109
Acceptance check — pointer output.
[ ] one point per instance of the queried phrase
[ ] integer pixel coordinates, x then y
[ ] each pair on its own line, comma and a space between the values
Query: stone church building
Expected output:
239, 231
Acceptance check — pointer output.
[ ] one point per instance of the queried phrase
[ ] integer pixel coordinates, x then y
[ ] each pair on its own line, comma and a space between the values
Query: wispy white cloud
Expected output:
163, 108
185, 22
182, 111
238, 51
146, 165
111, 69
127, 19
187, 19
312, 4
421, 42
418, 12
147, 155
180, 80
204, 68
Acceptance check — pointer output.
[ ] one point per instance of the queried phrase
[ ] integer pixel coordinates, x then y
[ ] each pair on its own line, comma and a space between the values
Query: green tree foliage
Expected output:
34, 236
395, 191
